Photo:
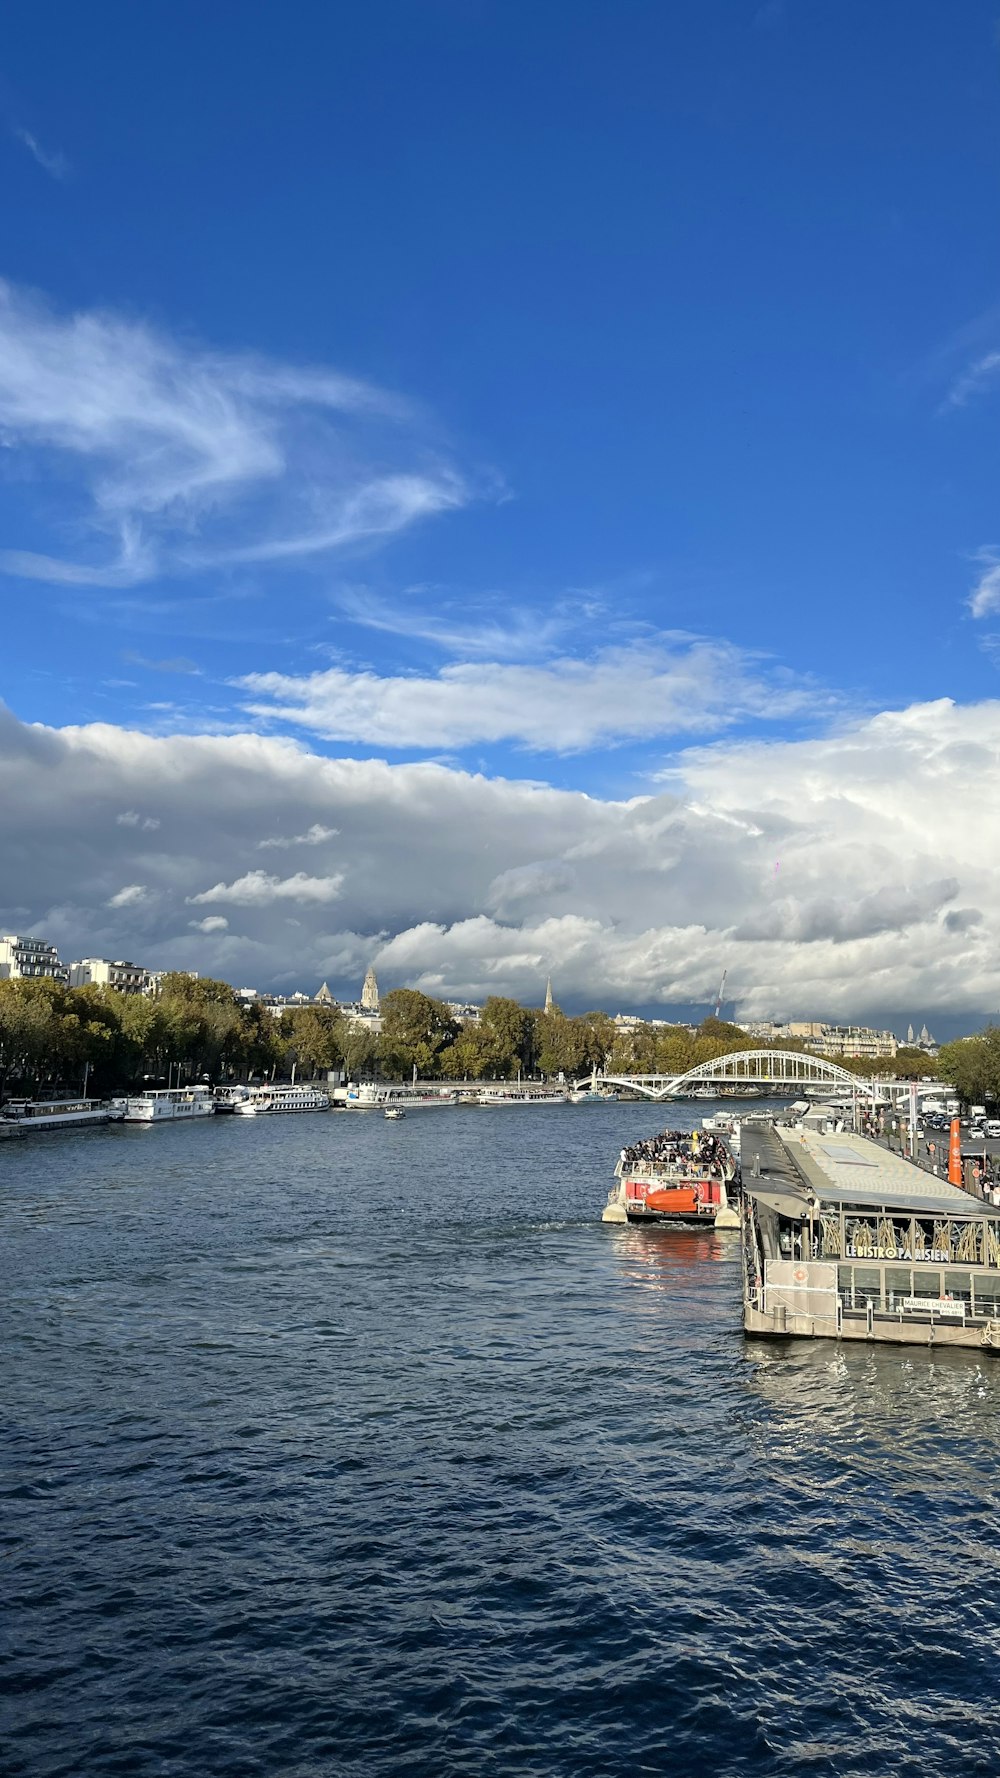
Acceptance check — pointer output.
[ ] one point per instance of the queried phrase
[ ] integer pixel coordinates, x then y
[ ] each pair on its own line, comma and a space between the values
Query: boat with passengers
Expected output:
680, 1177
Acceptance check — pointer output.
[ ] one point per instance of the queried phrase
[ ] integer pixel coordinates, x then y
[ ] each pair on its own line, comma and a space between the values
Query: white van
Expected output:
991, 1127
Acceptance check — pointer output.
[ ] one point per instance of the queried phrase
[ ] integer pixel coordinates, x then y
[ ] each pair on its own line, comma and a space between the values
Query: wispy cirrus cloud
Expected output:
668, 686
984, 599
183, 458
972, 381
489, 626
50, 161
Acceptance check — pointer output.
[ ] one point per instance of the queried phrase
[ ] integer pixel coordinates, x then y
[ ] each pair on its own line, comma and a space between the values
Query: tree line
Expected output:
972, 1065
54, 1038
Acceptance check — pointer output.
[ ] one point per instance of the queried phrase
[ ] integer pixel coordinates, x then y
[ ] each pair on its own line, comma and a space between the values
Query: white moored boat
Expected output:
369, 1097
228, 1099
168, 1103
521, 1096
261, 1101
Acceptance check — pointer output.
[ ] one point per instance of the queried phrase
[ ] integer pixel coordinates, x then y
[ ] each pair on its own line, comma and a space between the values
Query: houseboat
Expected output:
168, 1103
842, 1240
59, 1114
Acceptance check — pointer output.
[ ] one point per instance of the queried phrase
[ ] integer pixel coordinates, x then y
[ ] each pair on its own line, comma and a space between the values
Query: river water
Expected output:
338, 1446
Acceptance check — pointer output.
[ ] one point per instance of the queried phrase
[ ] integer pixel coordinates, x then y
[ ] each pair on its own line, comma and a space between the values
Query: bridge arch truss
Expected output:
743, 1068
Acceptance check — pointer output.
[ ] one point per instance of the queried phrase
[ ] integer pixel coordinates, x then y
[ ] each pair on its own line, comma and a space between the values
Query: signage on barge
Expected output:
938, 1256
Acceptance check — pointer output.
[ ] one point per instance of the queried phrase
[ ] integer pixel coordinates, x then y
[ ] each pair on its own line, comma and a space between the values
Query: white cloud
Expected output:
51, 162
673, 685
188, 458
132, 818
211, 923
466, 885
489, 627
257, 889
127, 897
974, 379
314, 836
984, 600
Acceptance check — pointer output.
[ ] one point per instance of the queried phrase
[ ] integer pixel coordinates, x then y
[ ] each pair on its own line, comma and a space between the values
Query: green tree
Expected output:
972, 1064
563, 1045
504, 1036
315, 1036
415, 1031
466, 1058
360, 1050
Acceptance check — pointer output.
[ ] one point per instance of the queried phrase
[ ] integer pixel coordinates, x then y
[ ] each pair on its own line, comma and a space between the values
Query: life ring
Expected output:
799, 1276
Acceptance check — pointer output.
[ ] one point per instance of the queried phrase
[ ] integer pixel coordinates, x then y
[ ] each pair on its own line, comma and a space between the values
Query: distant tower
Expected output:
550, 1005
909, 1034
369, 993
323, 997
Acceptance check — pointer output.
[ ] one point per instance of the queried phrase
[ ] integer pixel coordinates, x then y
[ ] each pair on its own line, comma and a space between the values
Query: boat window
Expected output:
958, 1285
867, 1285
926, 1282
897, 1285
987, 1295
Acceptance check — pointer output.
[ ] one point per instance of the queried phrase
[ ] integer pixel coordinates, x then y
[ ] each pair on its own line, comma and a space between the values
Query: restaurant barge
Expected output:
842, 1240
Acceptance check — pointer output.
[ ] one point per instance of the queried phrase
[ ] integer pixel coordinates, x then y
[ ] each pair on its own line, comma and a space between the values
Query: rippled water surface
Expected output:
335, 1446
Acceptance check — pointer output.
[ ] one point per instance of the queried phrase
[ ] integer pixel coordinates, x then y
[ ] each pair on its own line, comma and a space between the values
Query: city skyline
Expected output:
41, 959
539, 522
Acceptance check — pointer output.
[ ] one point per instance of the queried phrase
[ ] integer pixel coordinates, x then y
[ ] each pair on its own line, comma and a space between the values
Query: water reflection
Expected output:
669, 1259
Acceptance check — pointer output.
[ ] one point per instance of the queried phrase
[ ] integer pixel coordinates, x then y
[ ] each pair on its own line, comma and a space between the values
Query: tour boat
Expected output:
261, 1100
59, 1114
520, 1096
371, 1097
168, 1103
686, 1184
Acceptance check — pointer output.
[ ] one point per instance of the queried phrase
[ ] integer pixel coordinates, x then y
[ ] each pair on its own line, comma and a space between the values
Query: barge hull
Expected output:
758, 1325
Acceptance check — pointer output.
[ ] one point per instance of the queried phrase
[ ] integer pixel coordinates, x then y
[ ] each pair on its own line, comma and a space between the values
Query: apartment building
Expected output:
27, 957
101, 972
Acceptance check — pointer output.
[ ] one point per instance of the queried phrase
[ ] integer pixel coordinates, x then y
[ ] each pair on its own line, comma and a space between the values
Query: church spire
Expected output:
369, 993
549, 1002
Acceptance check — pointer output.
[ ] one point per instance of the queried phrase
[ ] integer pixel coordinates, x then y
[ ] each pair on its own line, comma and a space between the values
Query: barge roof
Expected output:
849, 1169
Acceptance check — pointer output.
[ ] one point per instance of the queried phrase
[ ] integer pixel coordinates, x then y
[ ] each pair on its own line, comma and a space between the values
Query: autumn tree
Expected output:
415, 1031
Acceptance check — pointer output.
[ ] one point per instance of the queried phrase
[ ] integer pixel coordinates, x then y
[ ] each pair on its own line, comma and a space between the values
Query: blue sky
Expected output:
541, 391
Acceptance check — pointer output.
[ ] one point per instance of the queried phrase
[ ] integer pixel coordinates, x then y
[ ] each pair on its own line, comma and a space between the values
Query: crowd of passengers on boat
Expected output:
672, 1148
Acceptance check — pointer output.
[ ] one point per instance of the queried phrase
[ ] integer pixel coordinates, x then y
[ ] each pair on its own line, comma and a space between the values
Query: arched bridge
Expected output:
776, 1069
